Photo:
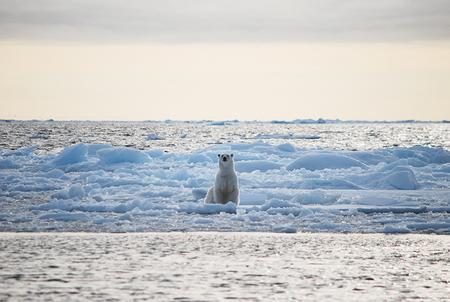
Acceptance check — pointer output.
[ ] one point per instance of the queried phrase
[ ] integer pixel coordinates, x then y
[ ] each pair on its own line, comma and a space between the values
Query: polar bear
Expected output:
226, 187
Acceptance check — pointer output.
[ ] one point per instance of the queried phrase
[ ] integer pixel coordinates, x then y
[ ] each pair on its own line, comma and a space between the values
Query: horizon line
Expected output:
217, 121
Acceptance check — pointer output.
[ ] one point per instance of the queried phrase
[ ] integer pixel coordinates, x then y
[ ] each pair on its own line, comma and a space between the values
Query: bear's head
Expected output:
226, 160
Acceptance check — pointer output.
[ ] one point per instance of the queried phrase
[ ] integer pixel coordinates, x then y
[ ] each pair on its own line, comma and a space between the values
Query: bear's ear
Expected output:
231, 154
218, 155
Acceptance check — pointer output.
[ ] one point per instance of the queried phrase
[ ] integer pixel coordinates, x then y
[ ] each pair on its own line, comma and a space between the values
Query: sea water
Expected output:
223, 267
175, 136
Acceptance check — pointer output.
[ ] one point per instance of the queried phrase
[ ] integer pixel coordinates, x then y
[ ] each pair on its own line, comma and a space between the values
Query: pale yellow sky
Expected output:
246, 81
216, 59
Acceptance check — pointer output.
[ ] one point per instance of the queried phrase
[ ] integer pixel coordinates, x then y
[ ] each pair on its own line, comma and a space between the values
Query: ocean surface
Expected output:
299, 176
223, 267
171, 136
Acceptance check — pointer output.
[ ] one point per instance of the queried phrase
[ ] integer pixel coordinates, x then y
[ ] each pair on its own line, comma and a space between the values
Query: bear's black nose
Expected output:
224, 159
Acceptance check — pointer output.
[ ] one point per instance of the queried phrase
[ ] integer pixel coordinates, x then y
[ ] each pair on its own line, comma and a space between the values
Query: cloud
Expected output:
224, 20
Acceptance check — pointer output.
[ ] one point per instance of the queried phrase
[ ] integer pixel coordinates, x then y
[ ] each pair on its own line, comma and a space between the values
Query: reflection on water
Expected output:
173, 137
223, 266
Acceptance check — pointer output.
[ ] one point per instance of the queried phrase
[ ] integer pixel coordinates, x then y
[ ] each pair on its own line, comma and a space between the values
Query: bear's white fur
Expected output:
226, 187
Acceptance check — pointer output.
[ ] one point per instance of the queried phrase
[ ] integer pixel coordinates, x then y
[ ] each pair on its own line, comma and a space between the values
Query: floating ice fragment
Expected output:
429, 226
389, 229
121, 155
23, 151
282, 207
401, 180
320, 161
199, 158
199, 193
396, 210
256, 165
93, 148
200, 208
203, 221
284, 229
315, 197
76, 191
156, 153
285, 136
286, 147
54, 173
217, 123
8, 164
65, 217
71, 155
154, 137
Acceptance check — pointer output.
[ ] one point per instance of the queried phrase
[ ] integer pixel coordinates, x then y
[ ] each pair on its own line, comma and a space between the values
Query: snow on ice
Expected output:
94, 187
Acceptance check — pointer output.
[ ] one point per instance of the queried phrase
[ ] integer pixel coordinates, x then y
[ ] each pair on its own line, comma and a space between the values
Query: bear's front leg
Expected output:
234, 196
210, 196
218, 196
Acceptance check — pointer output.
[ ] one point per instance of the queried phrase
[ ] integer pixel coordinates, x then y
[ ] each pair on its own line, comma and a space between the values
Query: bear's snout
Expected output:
224, 158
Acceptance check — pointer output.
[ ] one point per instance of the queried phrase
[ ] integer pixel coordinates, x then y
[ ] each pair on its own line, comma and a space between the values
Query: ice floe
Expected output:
283, 189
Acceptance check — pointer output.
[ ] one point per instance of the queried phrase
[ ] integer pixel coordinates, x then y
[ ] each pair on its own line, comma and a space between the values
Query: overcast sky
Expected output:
264, 59
224, 20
